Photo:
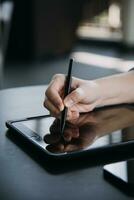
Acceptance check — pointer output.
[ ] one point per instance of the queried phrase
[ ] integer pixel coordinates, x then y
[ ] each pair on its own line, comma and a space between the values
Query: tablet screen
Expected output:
100, 128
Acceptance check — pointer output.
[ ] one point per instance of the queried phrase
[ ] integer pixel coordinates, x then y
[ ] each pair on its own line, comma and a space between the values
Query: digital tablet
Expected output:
101, 129
121, 174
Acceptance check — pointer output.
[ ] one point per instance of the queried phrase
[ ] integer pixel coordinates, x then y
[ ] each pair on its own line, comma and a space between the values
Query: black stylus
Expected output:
66, 92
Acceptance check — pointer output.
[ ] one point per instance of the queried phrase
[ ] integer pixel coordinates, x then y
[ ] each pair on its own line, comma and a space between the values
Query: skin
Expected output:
87, 95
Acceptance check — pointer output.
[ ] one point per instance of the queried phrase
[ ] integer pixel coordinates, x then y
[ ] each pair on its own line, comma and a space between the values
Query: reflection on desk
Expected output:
100, 128
93, 130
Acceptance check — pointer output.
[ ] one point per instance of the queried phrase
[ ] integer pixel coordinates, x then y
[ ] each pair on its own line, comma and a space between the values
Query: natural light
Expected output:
103, 61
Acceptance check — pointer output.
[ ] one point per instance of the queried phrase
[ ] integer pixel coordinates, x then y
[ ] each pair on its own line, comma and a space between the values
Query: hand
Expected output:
85, 96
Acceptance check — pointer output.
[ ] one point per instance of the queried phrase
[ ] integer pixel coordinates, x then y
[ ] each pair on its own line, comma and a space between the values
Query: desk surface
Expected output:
26, 174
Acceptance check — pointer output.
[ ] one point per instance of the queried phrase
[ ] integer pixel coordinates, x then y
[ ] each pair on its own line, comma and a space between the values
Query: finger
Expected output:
55, 148
83, 108
68, 134
55, 98
52, 108
51, 138
58, 81
72, 115
74, 97
57, 116
54, 90
70, 147
55, 127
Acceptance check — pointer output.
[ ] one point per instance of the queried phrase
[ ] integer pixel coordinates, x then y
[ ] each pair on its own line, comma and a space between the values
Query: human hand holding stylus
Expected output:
86, 95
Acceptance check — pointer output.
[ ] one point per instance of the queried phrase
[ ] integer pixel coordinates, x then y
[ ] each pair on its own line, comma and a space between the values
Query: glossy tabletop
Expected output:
25, 173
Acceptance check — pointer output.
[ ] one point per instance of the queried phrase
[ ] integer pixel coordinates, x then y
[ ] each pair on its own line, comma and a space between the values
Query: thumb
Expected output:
74, 97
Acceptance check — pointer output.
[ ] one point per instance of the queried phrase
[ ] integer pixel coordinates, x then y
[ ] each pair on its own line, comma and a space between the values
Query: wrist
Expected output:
107, 92
95, 93
111, 90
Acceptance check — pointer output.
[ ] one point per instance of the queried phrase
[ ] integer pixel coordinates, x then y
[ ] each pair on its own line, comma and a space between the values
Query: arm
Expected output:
117, 88
86, 94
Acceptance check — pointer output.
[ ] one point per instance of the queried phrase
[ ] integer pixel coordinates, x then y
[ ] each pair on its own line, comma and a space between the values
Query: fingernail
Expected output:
69, 103
61, 107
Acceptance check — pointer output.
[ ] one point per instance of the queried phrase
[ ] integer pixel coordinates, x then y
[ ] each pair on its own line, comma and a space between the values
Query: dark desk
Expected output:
26, 174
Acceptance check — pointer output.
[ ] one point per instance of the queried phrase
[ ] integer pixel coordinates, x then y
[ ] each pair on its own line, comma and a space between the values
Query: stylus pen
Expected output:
66, 92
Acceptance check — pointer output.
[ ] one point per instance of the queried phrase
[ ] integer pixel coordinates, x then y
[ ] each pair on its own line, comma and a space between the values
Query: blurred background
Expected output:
37, 37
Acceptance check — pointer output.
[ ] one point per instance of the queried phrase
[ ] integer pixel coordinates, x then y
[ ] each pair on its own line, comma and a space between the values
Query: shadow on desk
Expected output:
59, 166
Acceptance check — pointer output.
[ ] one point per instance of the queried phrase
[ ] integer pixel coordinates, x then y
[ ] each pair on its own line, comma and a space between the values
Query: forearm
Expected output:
117, 89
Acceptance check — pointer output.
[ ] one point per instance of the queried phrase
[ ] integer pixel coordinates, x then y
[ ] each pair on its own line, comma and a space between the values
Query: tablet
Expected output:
101, 129
121, 174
